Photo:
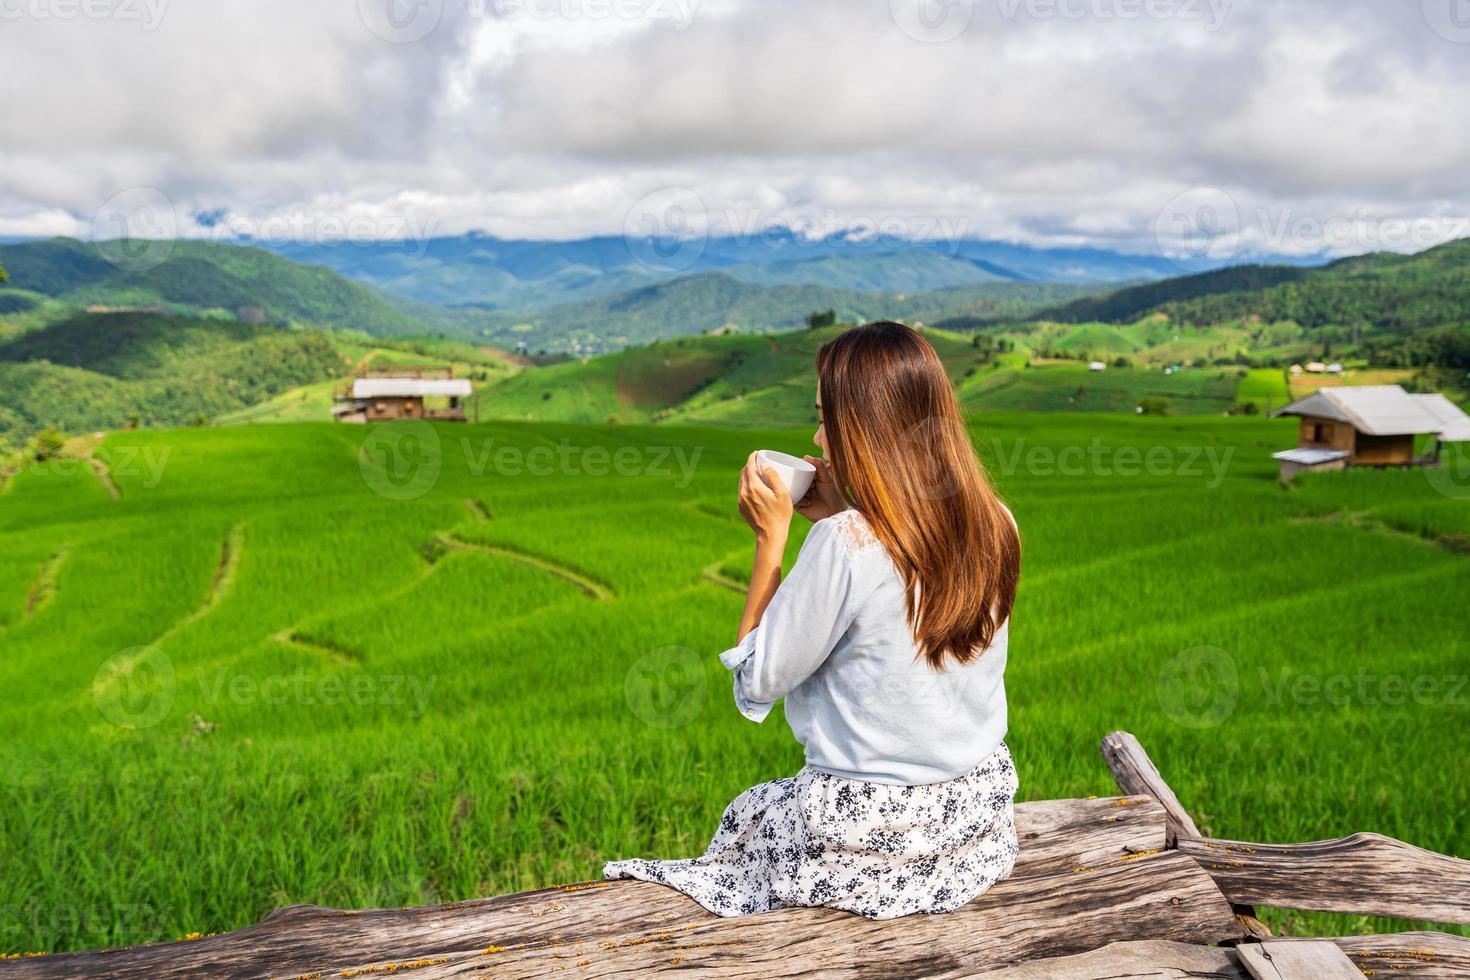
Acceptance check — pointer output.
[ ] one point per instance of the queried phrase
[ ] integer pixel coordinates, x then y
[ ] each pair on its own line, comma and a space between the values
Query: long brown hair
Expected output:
901, 455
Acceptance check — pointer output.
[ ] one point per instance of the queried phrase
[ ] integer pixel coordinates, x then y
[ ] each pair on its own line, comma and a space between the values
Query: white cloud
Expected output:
1069, 122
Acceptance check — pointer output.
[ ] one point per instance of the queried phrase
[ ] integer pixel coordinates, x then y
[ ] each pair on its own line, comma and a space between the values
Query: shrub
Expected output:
47, 444
1153, 406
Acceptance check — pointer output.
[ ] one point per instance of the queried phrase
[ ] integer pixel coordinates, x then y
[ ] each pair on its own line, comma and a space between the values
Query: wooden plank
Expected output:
1057, 836
1314, 960
1403, 956
1136, 774
1148, 960
1160, 896
1407, 955
1363, 874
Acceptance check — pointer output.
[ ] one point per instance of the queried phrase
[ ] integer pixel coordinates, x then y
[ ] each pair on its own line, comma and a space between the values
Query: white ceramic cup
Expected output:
794, 471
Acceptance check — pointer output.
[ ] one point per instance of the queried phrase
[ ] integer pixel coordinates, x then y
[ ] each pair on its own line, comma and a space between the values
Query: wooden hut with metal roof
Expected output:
382, 393
1372, 425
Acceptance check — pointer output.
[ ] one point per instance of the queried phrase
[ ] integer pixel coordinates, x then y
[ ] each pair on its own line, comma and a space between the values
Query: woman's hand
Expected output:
764, 501
823, 499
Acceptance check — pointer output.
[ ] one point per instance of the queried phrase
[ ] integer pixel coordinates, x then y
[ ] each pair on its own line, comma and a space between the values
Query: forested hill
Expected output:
100, 371
1384, 291
198, 276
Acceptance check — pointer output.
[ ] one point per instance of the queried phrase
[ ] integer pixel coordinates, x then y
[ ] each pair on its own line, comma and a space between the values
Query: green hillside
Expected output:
313, 402
265, 673
1133, 302
199, 276
101, 371
1387, 298
710, 301
770, 380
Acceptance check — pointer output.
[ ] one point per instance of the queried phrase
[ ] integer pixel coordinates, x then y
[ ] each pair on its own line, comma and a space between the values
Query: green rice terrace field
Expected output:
252, 666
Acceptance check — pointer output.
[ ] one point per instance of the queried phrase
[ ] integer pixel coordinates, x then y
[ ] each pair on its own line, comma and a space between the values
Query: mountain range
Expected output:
225, 330
480, 270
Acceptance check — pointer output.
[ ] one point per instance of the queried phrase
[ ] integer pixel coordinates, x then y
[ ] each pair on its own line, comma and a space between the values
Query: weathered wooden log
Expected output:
1316, 959
1407, 955
1136, 774
1403, 956
1160, 896
1152, 959
1364, 874
1057, 836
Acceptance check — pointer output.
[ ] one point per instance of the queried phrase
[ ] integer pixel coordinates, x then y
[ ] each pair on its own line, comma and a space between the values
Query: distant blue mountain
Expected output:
484, 272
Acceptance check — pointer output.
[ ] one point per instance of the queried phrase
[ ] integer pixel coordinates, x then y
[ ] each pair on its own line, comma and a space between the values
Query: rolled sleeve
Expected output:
735, 658
806, 617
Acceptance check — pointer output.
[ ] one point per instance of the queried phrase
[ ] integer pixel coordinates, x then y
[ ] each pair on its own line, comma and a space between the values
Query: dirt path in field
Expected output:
320, 648
1455, 544
714, 576
590, 586
219, 586
104, 477
46, 584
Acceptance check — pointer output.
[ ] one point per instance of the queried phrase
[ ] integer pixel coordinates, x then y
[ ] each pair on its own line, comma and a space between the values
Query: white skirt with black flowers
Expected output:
876, 849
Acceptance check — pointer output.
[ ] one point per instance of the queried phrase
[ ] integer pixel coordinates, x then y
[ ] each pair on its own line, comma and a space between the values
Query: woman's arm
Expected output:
765, 579
800, 623
766, 506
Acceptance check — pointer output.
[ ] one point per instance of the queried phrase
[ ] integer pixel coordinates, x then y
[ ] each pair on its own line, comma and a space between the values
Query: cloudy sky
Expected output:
1301, 126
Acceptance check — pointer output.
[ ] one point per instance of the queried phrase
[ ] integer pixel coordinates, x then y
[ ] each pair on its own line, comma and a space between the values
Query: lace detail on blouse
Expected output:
853, 530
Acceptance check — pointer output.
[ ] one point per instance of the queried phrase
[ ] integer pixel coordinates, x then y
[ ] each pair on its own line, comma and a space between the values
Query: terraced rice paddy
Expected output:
347, 666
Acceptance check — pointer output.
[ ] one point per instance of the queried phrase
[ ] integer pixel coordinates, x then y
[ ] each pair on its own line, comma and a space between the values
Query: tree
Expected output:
818, 320
1153, 406
3, 276
47, 444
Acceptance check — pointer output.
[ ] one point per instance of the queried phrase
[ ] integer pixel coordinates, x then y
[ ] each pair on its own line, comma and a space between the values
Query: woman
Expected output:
888, 642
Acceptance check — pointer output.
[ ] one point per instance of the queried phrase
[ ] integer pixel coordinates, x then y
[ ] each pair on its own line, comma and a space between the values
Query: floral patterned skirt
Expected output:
876, 849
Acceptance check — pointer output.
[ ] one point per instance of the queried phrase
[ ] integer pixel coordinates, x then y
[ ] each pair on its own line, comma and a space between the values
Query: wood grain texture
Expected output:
1363, 874
1309, 960
1057, 836
1135, 773
1160, 896
1407, 955
1144, 960
1402, 955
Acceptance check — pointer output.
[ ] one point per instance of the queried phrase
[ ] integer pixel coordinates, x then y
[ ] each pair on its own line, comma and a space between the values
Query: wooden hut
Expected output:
1373, 425
382, 393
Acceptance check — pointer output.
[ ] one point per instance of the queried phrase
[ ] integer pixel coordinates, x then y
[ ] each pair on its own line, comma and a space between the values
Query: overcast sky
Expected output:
1309, 125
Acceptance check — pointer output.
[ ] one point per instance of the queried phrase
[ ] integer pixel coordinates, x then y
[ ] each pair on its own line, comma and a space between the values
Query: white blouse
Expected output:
835, 643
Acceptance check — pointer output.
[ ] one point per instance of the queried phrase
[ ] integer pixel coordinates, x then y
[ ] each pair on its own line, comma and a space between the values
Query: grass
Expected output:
361, 667
743, 380
1266, 387
1071, 387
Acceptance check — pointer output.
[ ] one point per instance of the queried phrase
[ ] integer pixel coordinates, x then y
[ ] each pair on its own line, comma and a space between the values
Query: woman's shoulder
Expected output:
850, 529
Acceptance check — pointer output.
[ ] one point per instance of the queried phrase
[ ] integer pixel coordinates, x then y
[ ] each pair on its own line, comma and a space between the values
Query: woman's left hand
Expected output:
765, 502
